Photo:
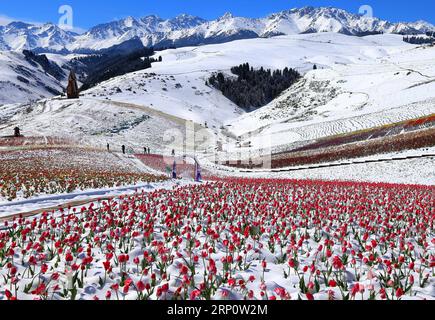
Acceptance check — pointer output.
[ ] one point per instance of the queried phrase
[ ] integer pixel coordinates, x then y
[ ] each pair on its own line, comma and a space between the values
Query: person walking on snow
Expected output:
174, 170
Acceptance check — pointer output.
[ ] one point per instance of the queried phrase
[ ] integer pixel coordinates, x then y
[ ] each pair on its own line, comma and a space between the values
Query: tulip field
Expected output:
229, 239
185, 167
29, 173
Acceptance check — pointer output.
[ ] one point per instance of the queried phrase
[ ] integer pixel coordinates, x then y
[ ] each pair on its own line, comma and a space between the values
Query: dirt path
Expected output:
151, 111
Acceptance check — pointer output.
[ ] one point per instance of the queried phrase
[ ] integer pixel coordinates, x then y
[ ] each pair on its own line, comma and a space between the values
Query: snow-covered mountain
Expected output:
19, 36
151, 30
186, 30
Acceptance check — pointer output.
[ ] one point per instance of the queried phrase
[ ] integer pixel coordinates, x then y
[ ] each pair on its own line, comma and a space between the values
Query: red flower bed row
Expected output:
33, 141
399, 142
29, 173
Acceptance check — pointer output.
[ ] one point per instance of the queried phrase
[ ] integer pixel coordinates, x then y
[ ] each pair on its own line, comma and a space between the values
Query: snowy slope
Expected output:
95, 122
22, 81
384, 81
177, 85
360, 83
181, 93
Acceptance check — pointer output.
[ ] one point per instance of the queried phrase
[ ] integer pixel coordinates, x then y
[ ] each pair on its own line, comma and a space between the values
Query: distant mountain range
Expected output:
186, 30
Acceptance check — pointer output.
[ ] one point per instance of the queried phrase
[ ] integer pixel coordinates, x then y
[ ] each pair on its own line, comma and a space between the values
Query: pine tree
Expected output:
254, 88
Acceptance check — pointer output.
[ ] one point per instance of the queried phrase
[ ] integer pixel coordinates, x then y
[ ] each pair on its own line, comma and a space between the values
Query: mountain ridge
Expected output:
187, 30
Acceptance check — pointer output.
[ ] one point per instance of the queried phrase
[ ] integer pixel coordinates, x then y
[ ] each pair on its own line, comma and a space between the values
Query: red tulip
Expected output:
195, 294
309, 296
140, 286
264, 264
399, 292
68, 257
332, 283
44, 268
355, 289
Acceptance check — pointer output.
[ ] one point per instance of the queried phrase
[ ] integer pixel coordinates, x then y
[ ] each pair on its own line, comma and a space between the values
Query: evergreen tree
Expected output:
419, 40
253, 88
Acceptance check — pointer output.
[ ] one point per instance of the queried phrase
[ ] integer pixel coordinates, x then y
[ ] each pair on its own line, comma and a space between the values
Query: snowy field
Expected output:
43, 202
406, 171
413, 171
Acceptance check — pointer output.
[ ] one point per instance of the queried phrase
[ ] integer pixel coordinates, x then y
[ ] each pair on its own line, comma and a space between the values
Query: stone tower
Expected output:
72, 91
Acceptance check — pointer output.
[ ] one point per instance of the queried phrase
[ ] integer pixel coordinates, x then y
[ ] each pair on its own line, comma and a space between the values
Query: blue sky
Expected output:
88, 13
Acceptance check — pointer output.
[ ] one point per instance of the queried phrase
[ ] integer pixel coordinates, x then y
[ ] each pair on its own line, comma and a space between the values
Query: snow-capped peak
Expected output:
186, 29
226, 16
129, 21
185, 21
18, 36
18, 25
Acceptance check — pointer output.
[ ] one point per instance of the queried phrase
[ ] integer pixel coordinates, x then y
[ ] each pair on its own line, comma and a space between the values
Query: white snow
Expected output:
410, 171
361, 83
9, 208
182, 30
21, 82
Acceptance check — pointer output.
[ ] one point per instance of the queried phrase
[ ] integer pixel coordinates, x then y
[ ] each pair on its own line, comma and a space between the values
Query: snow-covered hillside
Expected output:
23, 80
186, 30
382, 81
178, 84
360, 83
95, 122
